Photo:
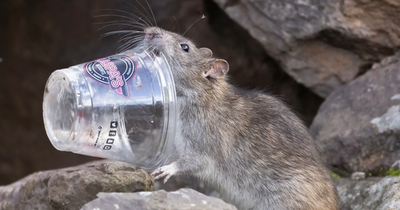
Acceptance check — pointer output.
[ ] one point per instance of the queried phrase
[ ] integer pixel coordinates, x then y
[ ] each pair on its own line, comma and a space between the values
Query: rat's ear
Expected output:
218, 69
206, 52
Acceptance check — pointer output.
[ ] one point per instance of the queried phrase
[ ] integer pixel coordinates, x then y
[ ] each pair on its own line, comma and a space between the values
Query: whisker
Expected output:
115, 15
124, 47
154, 18
140, 16
119, 32
149, 47
203, 17
132, 35
128, 45
123, 31
120, 25
179, 29
121, 16
138, 11
114, 21
130, 26
130, 39
148, 22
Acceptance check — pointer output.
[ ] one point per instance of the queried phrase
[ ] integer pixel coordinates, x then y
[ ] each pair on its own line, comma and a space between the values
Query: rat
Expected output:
248, 144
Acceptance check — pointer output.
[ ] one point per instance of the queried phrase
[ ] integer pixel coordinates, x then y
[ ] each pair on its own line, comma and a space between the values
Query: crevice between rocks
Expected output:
368, 51
364, 48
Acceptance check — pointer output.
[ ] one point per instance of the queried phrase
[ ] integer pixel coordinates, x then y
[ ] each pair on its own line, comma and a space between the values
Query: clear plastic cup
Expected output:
122, 107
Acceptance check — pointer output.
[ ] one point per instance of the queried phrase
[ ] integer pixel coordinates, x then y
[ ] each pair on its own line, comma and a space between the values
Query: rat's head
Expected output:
194, 69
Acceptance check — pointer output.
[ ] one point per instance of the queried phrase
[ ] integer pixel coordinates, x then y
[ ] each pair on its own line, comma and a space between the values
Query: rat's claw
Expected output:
165, 171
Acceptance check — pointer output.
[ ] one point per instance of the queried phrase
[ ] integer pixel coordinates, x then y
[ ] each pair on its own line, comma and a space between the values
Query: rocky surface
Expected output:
177, 182
71, 188
162, 200
358, 126
117, 185
322, 44
371, 193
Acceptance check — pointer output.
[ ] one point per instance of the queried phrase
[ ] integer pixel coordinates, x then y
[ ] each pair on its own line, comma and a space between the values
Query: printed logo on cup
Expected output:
114, 71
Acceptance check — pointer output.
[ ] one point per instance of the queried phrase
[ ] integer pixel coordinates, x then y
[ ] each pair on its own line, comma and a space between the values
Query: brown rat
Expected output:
246, 143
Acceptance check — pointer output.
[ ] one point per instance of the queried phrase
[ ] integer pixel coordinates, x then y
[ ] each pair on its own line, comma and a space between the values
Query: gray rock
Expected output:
371, 193
158, 200
71, 188
177, 182
358, 175
322, 44
358, 126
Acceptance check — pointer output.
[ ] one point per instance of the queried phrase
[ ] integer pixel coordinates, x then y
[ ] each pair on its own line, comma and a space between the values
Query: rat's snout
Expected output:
154, 39
151, 33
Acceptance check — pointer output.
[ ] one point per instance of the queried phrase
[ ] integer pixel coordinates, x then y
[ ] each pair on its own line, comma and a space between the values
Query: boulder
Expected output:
177, 182
71, 188
358, 126
322, 44
372, 193
184, 199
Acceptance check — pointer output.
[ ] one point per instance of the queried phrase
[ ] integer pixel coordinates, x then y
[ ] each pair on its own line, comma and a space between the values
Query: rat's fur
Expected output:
248, 144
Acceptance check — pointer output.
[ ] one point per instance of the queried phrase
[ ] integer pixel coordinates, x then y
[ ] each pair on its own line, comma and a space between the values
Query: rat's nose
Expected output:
151, 32
149, 35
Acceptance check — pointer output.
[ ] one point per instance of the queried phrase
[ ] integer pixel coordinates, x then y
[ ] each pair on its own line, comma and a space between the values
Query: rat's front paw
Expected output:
165, 171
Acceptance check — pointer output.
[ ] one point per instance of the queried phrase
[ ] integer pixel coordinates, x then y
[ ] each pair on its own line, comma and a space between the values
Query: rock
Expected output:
371, 193
387, 61
358, 175
322, 44
181, 199
177, 182
358, 126
71, 188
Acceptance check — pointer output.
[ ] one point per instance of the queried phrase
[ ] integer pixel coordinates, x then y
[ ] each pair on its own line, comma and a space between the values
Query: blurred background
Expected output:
38, 37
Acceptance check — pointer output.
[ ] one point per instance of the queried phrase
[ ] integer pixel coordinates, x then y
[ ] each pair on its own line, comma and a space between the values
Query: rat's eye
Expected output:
185, 47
